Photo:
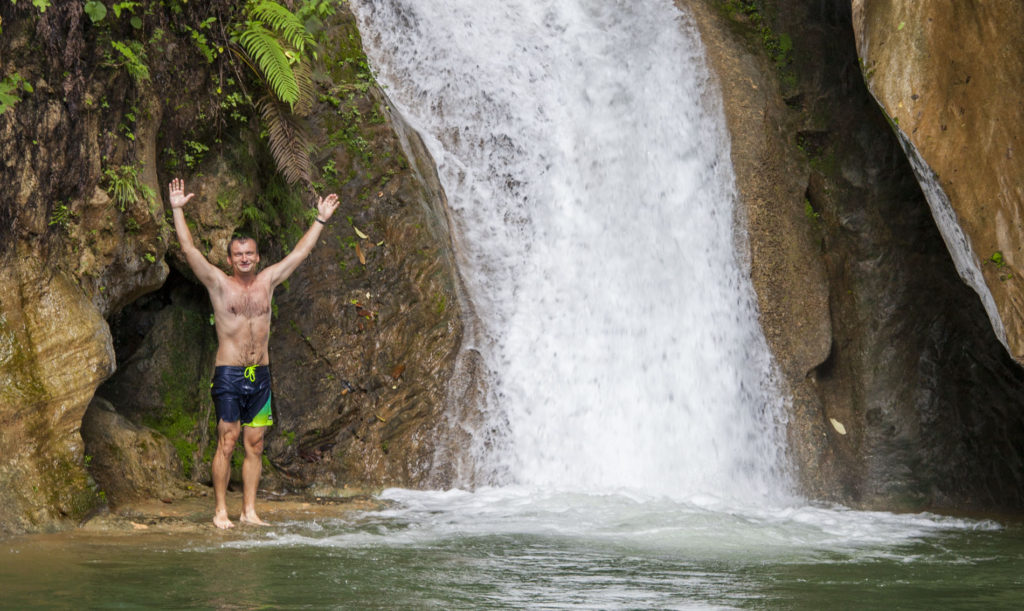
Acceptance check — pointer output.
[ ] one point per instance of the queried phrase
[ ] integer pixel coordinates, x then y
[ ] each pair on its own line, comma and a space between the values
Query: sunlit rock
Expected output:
948, 75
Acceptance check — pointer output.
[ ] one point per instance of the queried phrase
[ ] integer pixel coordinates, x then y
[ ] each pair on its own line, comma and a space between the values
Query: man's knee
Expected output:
253, 440
227, 436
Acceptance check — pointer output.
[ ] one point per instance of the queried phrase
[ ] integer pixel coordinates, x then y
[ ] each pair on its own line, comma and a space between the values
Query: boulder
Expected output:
129, 462
947, 74
55, 348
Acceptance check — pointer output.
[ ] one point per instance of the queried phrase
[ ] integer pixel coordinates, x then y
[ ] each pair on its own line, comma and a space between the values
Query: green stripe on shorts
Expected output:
264, 417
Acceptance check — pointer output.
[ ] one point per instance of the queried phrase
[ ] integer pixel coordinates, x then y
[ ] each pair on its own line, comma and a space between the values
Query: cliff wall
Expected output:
92, 281
945, 74
902, 395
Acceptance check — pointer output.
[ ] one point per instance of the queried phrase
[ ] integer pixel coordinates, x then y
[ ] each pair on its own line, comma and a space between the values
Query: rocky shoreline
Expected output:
193, 513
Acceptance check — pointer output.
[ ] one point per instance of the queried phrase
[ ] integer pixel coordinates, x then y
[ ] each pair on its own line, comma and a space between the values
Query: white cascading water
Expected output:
585, 158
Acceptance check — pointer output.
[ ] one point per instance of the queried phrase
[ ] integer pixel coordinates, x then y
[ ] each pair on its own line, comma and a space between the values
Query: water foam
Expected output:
703, 529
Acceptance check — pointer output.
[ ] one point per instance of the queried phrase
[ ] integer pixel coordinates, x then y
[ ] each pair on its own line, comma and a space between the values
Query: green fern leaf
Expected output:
135, 62
289, 143
265, 48
8, 97
285, 22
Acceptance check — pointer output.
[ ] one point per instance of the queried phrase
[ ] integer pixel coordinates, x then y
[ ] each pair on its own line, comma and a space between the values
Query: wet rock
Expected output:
55, 349
364, 334
943, 73
129, 461
926, 395
70, 256
344, 321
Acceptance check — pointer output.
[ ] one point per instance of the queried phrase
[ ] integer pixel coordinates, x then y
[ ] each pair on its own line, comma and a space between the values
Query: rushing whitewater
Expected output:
583, 150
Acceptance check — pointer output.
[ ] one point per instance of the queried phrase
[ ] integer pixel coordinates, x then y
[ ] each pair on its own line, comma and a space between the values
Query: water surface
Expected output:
519, 548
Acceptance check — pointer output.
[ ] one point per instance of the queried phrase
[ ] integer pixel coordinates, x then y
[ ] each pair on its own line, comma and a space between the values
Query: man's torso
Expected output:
242, 316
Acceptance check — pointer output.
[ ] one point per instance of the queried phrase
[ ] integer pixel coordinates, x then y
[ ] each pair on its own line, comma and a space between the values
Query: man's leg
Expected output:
227, 437
252, 439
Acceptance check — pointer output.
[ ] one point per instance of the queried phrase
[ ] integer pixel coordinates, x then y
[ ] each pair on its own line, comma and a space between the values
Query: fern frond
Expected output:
257, 220
265, 48
289, 142
285, 22
307, 89
135, 62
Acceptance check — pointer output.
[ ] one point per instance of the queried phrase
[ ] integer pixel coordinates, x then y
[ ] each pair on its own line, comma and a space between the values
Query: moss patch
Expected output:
184, 392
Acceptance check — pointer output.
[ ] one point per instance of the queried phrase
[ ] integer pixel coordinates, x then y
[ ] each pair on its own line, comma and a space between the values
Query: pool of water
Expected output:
519, 548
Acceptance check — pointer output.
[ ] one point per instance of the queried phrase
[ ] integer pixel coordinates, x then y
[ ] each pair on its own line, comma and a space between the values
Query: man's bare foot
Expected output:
220, 520
252, 518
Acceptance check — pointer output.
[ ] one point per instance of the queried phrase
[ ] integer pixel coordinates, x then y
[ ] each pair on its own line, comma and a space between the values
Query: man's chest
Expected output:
247, 303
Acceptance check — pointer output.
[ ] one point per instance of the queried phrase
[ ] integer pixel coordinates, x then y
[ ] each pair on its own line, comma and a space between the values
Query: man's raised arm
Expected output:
206, 272
280, 271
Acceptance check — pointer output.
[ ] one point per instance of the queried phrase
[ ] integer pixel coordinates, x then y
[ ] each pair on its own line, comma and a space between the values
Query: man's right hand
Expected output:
177, 193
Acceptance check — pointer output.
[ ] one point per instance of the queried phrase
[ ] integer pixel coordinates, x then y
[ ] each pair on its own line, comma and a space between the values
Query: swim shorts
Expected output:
242, 393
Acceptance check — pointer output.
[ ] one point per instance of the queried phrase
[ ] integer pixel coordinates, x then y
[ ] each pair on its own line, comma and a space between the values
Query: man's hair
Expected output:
241, 237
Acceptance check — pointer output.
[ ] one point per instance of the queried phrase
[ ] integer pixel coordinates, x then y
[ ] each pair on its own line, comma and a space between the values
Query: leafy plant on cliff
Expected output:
133, 59
8, 88
778, 45
124, 186
62, 217
278, 48
96, 10
280, 207
42, 5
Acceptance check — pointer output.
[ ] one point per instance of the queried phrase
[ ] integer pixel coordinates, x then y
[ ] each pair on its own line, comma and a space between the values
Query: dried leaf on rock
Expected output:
838, 426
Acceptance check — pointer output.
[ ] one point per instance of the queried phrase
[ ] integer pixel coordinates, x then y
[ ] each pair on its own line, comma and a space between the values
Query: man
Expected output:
241, 313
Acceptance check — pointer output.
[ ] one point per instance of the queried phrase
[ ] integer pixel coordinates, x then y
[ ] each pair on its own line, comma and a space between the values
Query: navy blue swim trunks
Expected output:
242, 393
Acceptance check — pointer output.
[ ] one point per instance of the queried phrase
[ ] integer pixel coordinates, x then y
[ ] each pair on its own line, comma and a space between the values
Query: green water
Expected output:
504, 555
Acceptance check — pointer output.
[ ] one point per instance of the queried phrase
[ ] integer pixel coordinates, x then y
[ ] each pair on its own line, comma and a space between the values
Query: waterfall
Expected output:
957, 243
583, 150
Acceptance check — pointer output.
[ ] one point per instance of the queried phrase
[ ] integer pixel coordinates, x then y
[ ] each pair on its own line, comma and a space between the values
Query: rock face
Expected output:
947, 76
84, 240
55, 349
70, 255
128, 461
380, 313
364, 334
906, 363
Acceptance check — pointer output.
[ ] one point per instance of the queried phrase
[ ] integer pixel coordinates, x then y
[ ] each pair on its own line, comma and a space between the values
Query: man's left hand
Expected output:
326, 206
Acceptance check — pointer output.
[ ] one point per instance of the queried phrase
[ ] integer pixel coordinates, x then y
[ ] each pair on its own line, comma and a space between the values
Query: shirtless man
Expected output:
241, 312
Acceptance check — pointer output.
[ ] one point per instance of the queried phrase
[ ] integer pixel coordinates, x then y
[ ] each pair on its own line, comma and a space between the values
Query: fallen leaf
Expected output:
138, 526
397, 371
379, 418
838, 426
360, 233
359, 253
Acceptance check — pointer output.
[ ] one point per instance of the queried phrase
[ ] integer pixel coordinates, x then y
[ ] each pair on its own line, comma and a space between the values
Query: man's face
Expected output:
244, 256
